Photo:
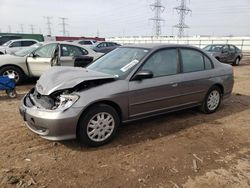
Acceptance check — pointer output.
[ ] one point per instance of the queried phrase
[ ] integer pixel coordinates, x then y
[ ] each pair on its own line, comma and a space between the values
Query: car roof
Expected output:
159, 46
16, 40
69, 43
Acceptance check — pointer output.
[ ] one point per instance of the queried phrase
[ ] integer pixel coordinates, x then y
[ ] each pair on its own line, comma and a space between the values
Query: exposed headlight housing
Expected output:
65, 102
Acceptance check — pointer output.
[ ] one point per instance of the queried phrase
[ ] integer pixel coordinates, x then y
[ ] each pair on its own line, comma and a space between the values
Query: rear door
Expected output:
232, 54
195, 77
159, 93
68, 53
225, 54
41, 60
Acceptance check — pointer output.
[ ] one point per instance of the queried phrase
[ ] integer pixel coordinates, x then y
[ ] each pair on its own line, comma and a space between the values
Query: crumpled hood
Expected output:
59, 78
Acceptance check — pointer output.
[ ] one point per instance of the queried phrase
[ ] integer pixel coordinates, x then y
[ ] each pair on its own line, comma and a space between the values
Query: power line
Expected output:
48, 18
64, 31
182, 10
158, 8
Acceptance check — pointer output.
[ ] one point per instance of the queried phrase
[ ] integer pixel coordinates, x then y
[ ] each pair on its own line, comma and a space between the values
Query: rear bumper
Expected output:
51, 125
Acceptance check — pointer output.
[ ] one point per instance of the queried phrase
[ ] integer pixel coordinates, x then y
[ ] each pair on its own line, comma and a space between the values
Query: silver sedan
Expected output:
127, 84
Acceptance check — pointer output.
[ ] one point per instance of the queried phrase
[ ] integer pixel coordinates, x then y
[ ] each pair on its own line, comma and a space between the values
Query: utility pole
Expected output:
21, 27
48, 22
32, 28
158, 8
64, 31
182, 10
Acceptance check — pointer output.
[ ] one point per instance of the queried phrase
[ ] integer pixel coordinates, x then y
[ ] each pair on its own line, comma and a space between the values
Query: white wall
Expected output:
241, 42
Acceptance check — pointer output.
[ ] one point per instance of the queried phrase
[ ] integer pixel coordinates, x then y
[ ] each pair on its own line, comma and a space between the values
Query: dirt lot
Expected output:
184, 149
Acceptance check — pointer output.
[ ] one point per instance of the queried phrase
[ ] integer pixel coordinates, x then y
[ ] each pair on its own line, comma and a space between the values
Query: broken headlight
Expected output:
65, 101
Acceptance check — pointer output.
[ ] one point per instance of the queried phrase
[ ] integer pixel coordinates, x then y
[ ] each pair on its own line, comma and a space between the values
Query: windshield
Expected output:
28, 50
118, 62
213, 48
7, 43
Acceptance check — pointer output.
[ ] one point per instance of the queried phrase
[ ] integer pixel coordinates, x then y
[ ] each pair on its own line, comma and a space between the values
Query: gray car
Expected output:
127, 84
105, 47
226, 53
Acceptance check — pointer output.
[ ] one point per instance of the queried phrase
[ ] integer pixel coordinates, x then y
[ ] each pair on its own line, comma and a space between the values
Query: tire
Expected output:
212, 100
94, 134
11, 93
19, 75
237, 61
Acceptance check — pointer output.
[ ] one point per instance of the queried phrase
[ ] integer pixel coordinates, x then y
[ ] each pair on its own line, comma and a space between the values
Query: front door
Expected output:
69, 53
159, 93
42, 59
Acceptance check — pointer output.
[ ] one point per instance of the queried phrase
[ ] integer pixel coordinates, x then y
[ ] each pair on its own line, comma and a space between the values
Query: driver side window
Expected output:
46, 51
162, 63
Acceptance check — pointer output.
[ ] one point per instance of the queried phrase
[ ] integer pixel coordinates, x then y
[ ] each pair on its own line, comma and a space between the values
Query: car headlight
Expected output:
66, 101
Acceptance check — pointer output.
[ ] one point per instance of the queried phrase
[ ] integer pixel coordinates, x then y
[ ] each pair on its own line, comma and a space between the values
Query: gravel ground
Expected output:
182, 149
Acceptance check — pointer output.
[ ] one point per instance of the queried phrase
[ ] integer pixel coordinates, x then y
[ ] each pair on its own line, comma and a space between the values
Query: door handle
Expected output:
174, 84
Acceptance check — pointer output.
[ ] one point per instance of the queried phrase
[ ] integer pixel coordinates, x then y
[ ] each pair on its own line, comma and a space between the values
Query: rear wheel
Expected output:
98, 125
11, 70
237, 61
212, 100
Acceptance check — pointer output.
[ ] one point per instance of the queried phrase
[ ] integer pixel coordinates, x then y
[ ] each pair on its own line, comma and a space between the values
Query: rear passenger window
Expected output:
208, 64
191, 60
27, 43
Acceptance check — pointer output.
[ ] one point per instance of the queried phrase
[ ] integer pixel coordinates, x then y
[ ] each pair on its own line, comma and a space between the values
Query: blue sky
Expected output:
129, 18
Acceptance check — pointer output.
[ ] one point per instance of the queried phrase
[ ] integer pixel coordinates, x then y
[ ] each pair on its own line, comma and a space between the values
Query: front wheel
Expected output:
13, 71
212, 100
98, 125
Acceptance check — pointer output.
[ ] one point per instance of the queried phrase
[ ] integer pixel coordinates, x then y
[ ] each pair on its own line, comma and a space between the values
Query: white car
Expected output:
35, 60
13, 46
85, 42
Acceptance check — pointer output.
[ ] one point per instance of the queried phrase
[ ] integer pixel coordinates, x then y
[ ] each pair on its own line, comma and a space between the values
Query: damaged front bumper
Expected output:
49, 124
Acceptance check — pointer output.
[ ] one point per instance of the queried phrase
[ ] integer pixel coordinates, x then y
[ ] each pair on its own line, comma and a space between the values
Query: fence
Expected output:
241, 42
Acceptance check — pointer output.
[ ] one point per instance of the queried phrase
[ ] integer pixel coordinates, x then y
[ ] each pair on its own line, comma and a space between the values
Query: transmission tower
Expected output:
48, 22
9, 29
32, 28
182, 10
21, 27
64, 31
158, 8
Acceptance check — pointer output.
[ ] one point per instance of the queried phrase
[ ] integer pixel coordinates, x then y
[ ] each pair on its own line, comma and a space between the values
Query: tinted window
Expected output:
231, 48
15, 44
191, 60
68, 50
46, 51
162, 63
225, 48
208, 63
27, 43
101, 45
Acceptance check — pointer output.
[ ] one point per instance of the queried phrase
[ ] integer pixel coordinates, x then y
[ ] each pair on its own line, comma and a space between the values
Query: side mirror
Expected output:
143, 74
31, 54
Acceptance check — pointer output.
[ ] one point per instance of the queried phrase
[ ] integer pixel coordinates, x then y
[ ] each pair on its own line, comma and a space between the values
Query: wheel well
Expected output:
221, 88
110, 103
19, 68
217, 58
1, 53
